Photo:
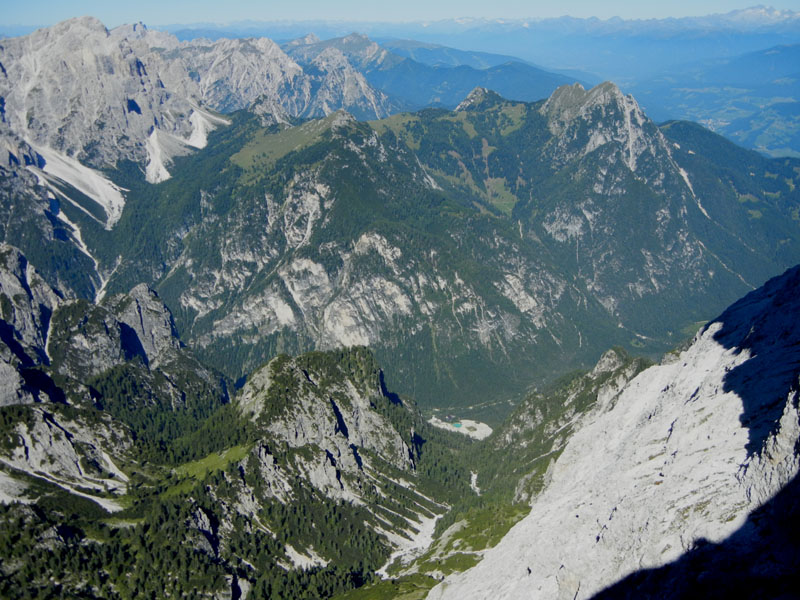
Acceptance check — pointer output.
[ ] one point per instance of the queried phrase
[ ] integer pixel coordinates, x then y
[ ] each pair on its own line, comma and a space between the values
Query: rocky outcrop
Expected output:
27, 303
42, 334
143, 311
80, 454
313, 404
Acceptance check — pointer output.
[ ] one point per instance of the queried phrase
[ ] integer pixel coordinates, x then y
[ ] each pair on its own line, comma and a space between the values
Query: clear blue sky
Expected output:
164, 12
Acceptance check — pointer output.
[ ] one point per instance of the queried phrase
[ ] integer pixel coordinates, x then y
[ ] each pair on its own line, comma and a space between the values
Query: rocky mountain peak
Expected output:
341, 120
609, 361
76, 26
570, 102
306, 40
132, 30
584, 120
478, 98
356, 38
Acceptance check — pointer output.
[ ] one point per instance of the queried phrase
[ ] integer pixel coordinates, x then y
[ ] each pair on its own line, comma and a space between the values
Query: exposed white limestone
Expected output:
156, 170
12, 490
87, 181
306, 559
71, 455
29, 303
408, 550
660, 465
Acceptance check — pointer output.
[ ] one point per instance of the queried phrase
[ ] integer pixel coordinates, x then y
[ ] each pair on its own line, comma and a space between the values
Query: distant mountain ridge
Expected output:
651, 58
419, 85
751, 98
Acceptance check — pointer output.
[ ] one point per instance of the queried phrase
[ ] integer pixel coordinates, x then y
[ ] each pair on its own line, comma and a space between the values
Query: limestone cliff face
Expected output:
28, 303
679, 458
329, 419
80, 92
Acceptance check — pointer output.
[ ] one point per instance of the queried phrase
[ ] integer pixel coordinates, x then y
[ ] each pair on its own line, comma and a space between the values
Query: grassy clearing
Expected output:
516, 118
401, 125
411, 587
192, 472
499, 195
463, 119
199, 469
455, 563
265, 149
118, 522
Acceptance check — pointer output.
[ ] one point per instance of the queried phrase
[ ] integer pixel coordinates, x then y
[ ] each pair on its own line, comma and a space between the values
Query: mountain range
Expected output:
496, 237
671, 65
249, 299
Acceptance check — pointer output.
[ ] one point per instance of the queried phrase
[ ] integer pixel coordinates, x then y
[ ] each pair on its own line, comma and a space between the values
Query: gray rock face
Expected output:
229, 75
677, 459
337, 418
27, 303
88, 340
343, 84
53, 349
582, 121
86, 93
328, 420
360, 51
72, 453
99, 96
151, 321
41, 330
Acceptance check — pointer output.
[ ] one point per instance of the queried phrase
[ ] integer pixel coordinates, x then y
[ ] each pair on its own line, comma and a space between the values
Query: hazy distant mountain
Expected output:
417, 85
651, 58
614, 48
751, 98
